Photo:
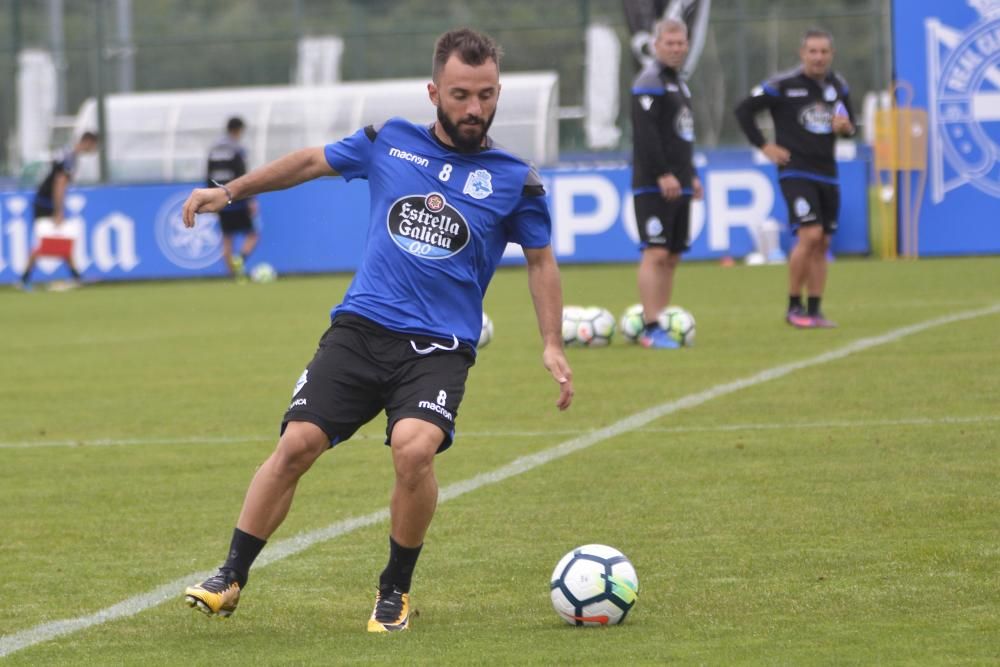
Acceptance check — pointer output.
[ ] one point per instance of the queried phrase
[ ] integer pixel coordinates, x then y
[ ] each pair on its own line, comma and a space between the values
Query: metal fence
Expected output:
123, 45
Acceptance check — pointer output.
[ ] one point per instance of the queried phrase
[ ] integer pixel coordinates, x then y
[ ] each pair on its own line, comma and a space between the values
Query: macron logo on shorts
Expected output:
427, 405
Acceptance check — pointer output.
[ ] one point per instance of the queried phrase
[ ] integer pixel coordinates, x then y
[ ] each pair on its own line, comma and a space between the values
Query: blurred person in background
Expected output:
810, 107
49, 210
227, 161
663, 174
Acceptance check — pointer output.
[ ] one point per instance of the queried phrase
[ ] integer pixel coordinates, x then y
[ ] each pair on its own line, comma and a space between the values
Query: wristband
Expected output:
229, 195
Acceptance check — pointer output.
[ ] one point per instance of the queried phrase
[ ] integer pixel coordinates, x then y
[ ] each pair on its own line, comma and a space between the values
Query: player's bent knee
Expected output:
299, 447
414, 444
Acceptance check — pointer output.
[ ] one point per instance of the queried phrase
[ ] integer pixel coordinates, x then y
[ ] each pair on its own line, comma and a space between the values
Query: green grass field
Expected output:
844, 512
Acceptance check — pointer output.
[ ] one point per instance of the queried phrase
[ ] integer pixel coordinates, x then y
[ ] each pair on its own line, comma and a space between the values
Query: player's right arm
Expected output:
647, 106
762, 98
285, 172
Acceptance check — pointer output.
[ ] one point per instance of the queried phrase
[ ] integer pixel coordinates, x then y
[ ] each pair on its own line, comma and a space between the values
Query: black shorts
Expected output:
362, 368
663, 223
811, 203
236, 222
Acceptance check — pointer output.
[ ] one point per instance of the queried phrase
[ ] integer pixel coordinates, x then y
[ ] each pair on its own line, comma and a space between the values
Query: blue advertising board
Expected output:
948, 53
135, 232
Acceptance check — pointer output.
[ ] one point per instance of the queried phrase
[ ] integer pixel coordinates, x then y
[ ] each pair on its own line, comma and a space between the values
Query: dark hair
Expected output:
90, 136
817, 32
235, 124
473, 48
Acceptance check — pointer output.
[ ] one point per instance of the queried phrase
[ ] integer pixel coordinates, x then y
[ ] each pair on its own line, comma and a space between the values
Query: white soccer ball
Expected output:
263, 273
594, 585
592, 326
632, 323
679, 324
486, 333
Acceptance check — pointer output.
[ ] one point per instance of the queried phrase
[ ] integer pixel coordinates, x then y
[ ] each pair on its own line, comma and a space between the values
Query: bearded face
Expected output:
467, 132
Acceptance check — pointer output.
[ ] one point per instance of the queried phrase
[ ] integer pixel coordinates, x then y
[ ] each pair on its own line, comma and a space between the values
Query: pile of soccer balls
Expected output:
676, 321
593, 326
590, 326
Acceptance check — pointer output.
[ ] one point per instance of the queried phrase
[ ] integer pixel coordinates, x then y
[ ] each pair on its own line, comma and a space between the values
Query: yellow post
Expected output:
900, 172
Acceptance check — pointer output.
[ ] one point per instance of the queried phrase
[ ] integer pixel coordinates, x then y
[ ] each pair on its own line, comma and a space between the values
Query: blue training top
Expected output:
439, 222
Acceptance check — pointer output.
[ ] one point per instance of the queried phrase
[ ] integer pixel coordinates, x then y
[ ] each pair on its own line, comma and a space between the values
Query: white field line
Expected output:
718, 428
294, 545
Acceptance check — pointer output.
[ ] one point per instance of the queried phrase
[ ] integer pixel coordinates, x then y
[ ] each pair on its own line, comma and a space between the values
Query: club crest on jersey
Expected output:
479, 184
427, 226
817, 118
684, 124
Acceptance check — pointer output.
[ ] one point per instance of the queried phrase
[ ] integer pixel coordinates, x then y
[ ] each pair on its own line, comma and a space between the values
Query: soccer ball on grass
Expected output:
594, 585
587, 327
632, 323
263, 273
679, 324
486, 333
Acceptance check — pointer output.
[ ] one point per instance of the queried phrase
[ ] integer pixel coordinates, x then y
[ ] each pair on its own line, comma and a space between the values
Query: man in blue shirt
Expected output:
445, 201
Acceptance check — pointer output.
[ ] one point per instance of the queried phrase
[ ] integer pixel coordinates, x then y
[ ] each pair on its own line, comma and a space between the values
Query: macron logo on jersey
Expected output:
409, 157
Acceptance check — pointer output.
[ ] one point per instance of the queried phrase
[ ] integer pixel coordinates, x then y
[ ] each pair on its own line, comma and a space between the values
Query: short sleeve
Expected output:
351, 156
530, 224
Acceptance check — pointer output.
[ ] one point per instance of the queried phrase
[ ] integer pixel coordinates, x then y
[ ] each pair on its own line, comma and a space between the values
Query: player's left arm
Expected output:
844, 122
285, 172
546, 293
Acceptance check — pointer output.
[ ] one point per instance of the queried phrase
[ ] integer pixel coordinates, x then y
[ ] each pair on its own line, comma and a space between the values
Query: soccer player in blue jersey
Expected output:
445, 201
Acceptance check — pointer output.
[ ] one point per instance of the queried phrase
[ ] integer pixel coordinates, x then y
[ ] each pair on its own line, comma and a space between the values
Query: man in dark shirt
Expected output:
663, 176
227, 161
810, 108
49, 210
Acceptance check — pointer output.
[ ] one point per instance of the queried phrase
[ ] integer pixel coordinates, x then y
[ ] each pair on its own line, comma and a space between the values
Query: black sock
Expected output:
649, 326
814, 305
243, 551
399, 571
74, 273
794, 301
26, 277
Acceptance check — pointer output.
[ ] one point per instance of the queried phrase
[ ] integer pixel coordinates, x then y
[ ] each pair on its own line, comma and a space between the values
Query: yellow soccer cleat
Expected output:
391, 612
217, 595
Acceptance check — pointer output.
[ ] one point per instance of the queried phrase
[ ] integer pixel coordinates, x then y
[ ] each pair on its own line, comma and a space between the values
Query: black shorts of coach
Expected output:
236, 222
811, 203
362, 368
661, 222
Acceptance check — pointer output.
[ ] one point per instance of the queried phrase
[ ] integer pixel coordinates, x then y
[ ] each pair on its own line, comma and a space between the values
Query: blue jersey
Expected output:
439, 222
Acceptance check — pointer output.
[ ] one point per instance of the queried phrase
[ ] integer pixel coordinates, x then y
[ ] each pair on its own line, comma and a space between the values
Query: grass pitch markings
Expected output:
719, 428
294, 545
